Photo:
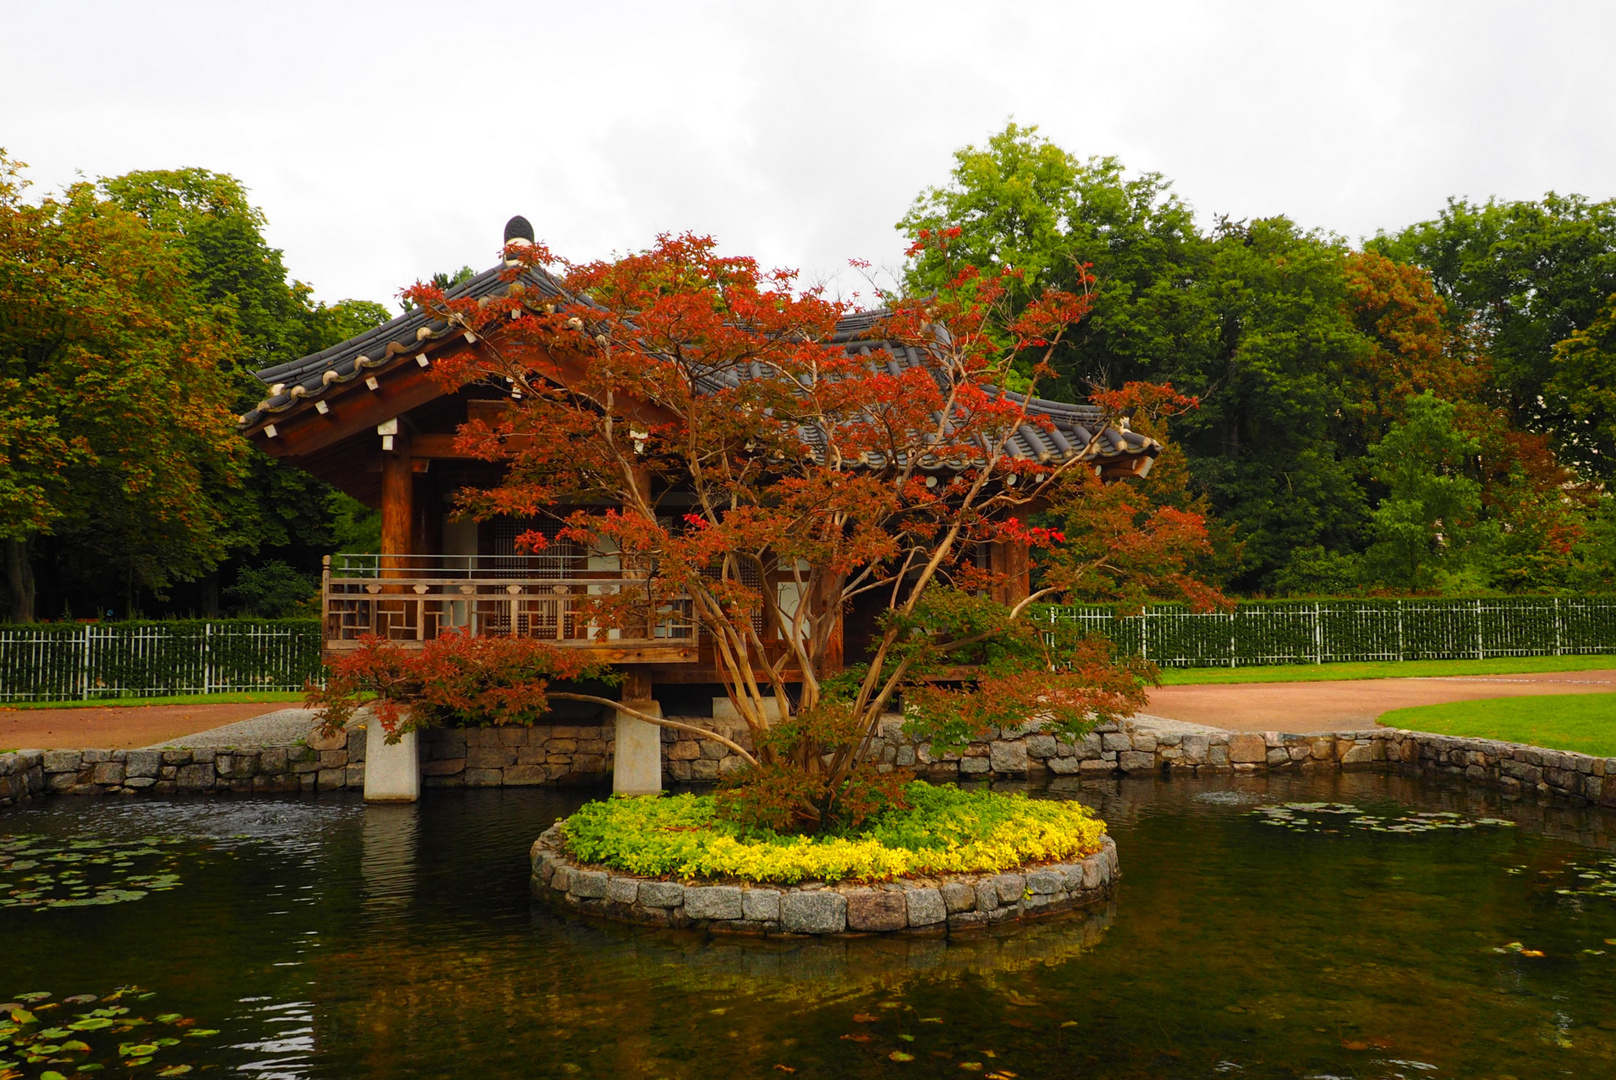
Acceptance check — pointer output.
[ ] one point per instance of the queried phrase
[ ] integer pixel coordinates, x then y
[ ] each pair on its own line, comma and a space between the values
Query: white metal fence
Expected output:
90, 661
1337, 631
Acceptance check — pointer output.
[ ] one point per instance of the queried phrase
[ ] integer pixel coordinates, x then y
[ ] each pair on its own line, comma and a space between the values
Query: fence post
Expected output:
1481, 652
207, 657
84, 667
1402, 650
1318, 633
1557, 646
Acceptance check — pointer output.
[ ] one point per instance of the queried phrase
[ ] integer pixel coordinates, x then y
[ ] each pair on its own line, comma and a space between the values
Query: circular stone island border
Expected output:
917, 905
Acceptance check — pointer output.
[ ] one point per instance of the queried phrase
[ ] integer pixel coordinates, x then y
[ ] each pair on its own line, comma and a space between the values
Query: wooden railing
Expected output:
418, 597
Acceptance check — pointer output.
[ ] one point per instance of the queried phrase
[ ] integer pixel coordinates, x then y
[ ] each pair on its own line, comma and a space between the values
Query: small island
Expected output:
951, 860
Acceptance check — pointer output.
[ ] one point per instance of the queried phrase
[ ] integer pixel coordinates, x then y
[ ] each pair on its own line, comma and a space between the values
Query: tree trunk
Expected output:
20, 580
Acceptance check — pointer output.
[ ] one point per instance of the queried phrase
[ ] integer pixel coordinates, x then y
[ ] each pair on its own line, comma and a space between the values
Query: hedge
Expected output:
67, 662
1260, 632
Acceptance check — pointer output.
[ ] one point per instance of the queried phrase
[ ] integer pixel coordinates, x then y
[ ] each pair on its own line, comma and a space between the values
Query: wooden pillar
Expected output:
398, 505
1011, 564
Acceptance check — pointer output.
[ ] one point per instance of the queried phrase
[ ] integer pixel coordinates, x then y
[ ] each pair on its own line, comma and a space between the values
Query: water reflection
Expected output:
331, 940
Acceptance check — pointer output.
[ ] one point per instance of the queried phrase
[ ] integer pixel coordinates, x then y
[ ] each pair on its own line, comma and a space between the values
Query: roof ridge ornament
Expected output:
518, 233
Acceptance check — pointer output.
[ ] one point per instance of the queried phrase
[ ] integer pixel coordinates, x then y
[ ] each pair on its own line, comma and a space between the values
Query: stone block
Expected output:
1358, 753
484, 777
1008, 758
973, 765
1218, 756
761, 904
1063, 766
107, 772
1248, 749
704, 769
1145, 743
561, 878
1046, 881
561, 746
512, 736
1115, 740
333, 779
1011, 887
197, 777
987, 896
587, 883
925, 907
622, 890
140, 783
57, 761
713, 902
1195, 748
143, 762
318, 740
440, 767
273, 760
683, 751
661, 894
1041, 746
958, 896
817, 912
876, 910
1278, 755
333, 759
905, 757
1136, 761
524, 775
489, 757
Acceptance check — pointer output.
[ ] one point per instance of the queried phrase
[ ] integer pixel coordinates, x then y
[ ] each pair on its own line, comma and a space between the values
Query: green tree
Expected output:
1583, 380
280, 514
1426, 527
115, 413
1527, 275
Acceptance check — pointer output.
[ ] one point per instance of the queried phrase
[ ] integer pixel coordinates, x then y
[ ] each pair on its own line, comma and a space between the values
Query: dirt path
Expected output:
1332, 706
115, 728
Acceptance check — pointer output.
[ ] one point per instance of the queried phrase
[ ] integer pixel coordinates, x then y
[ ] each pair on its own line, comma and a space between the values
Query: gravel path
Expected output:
1302, 707
284, 727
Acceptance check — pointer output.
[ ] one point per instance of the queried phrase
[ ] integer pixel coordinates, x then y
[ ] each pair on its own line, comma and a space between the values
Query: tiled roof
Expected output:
299, 383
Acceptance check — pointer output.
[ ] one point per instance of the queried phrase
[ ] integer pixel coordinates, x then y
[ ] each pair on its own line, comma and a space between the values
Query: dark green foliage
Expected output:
55, 662
272, 591
1262, 632
1530, 274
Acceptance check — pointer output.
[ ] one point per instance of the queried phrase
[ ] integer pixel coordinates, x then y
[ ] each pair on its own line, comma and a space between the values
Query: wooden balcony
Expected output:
411, 599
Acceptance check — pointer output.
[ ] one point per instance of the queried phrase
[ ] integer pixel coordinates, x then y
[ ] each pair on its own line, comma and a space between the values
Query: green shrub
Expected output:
943, 830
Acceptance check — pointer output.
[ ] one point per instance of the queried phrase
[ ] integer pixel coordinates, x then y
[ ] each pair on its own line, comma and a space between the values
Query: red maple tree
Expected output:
764, 474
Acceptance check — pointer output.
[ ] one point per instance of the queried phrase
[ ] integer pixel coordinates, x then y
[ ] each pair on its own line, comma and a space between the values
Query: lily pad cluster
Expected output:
1596, 880
40, 872
78, 1036
1331, 817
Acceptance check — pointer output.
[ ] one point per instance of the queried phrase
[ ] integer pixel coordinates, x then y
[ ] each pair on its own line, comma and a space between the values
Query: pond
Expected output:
312, 937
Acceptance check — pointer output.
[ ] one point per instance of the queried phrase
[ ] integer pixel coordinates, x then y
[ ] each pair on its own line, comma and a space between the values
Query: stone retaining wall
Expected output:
582, 754
940, 905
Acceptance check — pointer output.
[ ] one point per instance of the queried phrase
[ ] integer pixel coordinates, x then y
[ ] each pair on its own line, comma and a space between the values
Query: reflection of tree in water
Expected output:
635, 1000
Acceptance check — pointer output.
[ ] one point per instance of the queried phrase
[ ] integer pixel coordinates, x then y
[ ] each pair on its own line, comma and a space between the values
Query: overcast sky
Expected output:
389, 140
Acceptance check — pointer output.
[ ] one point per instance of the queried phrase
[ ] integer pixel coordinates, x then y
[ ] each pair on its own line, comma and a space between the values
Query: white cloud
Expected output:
388, 141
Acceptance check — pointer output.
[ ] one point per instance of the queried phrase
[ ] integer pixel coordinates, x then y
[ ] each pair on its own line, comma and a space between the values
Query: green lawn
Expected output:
1391, 669
1585, 723
178, 699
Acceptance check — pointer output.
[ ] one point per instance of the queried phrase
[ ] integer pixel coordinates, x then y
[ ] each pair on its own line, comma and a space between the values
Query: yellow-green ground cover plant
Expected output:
939, 830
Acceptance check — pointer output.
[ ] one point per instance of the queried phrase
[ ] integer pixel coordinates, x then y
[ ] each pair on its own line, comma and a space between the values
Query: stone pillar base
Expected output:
392, 771
637, 762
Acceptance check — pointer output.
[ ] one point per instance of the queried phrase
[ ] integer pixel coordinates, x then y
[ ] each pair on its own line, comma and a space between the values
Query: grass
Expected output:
1585, 723
1390, 669
175, 699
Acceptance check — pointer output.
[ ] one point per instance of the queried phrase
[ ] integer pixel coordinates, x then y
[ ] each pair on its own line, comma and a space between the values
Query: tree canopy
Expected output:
1304, 351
